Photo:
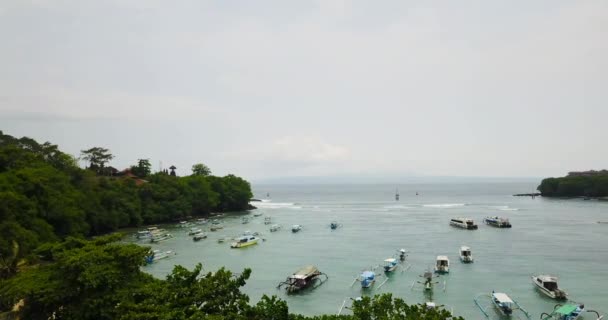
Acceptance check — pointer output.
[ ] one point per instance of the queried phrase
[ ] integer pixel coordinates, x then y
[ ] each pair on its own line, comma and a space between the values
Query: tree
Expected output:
97, 158
200, 169
142, 169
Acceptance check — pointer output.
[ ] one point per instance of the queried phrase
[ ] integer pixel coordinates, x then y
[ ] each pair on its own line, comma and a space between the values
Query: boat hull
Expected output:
466, 259
237, 245
464, 226
561, 295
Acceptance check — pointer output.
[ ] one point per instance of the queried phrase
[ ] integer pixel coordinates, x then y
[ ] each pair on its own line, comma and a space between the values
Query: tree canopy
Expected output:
200, 169
575, 186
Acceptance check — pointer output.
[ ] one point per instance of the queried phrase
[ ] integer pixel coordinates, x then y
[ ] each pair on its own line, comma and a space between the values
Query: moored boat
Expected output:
305, 277
465, 254
194, 231
275, 227
199, 236
497, 222
296, 228
267, 220
334, 225
156, 255
503, 303
158, 237
257, 214
390, 264
244, 241
547, 284
464, 223
216, 227
442, 264
367, 278
569, 311
202, 221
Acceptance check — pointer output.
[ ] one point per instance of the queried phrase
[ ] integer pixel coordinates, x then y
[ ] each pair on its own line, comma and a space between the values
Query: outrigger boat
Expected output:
497, 222
334, 225
402, 254
442, 265
428, 281
275, 227
216, 227
465, 254
156, 255
502, 303
199, 236
367, 278
305, 277
547, 284
161, 237
245, 241
267, 220
390, 265
571, 311
295, 228
464, 223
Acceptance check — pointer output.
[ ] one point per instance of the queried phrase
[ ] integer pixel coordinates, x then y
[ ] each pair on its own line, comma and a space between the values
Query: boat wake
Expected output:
444, 205
504, 208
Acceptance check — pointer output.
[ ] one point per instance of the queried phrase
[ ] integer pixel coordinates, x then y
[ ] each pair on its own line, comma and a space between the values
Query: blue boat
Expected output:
497, 222
367, 279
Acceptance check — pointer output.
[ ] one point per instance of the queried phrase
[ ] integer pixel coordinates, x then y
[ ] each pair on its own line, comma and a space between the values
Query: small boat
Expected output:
390, 264
428, 280
442, 264
465, 254
503, 303
497, 222
334, 225
267, 220
402, 254
202, 221
222, 239
161, 237
156, 255
308, 276
275, 227
547, 284
215, 221
245, 241
569, 311
216, 227
257, 214
367, 278
397, 195
194, 231
295, 228
199, 236
464, 223
245, 220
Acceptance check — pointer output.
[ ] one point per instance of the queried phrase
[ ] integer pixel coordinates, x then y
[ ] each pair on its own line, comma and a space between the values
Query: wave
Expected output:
504, 208
397, 206
444, 205
270, 204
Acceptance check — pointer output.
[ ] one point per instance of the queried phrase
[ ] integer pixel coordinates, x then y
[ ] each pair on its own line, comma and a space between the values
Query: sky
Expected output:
327, 88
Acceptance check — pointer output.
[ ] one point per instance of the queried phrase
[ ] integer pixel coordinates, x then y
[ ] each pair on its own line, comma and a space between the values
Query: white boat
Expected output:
547, 284
275, 227
199, 236
497, 222
161, 237
267, 220
185, 224
194, 231
295, 228
390, 264
464, 223
245, 241
156, 255
465, 254
442, 264
503, 303
216, 227
202, 221
257, 214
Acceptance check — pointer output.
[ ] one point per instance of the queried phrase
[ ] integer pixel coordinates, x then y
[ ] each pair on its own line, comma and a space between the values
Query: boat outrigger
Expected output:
497, 222
502, 303
305, 277
390, 265
464, 223
442, 265
570, 311
465, 254
547, 284
245, 241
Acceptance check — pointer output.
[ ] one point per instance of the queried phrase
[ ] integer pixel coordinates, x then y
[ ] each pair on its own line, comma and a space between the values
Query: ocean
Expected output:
549, 236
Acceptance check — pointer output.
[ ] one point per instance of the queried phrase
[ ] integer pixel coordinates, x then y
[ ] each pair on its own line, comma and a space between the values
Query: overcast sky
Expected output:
268, 89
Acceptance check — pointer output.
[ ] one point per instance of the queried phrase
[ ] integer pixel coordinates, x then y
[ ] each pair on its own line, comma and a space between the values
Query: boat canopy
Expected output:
502, 298
566, 309
547, 278
305, 272
443, 258
368, 275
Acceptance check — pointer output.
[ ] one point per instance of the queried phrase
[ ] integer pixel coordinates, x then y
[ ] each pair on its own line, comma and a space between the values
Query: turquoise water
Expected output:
560, 237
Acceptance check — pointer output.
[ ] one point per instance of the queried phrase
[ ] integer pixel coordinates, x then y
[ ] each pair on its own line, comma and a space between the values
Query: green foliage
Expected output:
575, 186
200, 169
142, 169
97, 158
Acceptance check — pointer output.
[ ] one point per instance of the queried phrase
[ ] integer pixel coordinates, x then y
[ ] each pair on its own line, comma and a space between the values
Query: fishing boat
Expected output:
295, 228
397, 195
267, 220
402, 254
367, 278
275, 227
305, 277
502, 303
156, 255
216, 227
390, 264
194, 231
465, 254
464, 223
334, 225
547, 284
161, 237
569, 311
245, 220
497, 222
428, 280
199, 236
245, 241
442, 264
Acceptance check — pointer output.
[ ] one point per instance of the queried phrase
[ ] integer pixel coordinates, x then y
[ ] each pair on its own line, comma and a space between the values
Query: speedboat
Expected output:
547, 284
442, 264
367, 278
390, 264
497, 222
464, 223
245, 241
275, 227
465, 254
503, 303
296, 227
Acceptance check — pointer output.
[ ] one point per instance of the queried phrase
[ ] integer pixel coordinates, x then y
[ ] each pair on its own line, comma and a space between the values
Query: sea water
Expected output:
550, 236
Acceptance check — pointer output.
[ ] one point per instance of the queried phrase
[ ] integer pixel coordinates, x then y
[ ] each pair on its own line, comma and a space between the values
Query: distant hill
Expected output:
576, 184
